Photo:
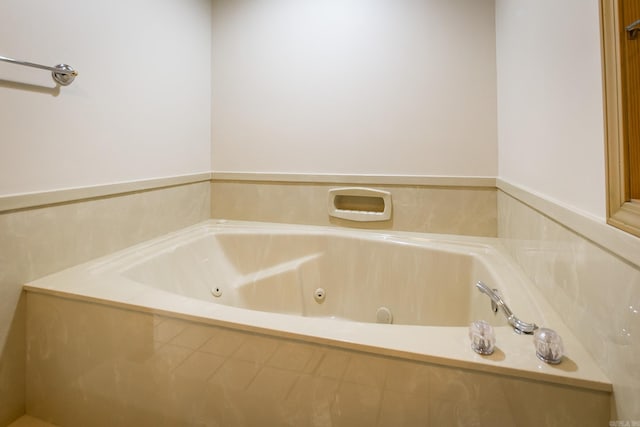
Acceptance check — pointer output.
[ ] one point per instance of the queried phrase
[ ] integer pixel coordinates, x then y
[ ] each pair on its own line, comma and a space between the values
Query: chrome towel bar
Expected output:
63, 74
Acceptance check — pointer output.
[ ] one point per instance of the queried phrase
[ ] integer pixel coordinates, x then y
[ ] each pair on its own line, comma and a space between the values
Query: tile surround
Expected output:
561, 262
596, 292
41, 240
428, 208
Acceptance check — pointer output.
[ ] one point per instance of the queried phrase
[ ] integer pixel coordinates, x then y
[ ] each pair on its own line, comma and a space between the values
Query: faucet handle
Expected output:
549, 346
483, 339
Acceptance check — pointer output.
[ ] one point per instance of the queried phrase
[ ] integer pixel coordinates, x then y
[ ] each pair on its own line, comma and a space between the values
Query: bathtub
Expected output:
397, 297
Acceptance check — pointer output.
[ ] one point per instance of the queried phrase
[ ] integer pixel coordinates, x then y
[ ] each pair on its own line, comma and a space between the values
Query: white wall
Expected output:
550, 118
338, 86
140, 107
354, 86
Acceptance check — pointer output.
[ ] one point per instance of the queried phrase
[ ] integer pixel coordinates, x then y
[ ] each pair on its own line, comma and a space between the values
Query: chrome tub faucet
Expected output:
497, 303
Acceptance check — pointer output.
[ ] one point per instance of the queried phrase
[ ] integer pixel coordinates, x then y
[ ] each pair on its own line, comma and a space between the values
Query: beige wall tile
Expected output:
12, 365
199, 365
356, 405
235, 374
256, 349
168, 357
596, 293
39, 241
452, 210
193, 336
366, 370
334, 364
310, 400
292, 356
224, 342
407, 377
404, 410
274, 383
168, 329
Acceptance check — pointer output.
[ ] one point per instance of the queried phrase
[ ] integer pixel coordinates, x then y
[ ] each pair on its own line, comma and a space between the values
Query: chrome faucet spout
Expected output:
496, 301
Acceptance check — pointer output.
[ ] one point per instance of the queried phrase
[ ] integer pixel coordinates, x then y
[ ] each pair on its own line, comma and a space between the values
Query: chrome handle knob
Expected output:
548, 345
482, 336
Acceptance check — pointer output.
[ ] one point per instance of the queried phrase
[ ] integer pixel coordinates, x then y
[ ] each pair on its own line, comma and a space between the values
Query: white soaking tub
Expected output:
326, 286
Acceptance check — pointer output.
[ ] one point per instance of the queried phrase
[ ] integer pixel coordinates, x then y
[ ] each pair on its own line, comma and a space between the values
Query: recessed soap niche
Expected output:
360, 204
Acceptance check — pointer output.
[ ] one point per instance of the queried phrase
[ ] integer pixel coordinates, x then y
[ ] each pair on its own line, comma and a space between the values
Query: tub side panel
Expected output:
91, 364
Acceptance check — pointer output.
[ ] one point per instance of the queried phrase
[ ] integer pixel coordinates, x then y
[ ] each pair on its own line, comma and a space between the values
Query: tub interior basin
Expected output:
373, 278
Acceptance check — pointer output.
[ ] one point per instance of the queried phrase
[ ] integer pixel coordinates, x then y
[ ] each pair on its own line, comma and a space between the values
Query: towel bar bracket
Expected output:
62, 74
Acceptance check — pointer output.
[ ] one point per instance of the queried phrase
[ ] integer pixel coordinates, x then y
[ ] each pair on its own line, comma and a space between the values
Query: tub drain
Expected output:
216, 291
383, 315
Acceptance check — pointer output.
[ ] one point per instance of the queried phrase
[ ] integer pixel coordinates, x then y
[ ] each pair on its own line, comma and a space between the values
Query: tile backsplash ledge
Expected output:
620, 243
31, 200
